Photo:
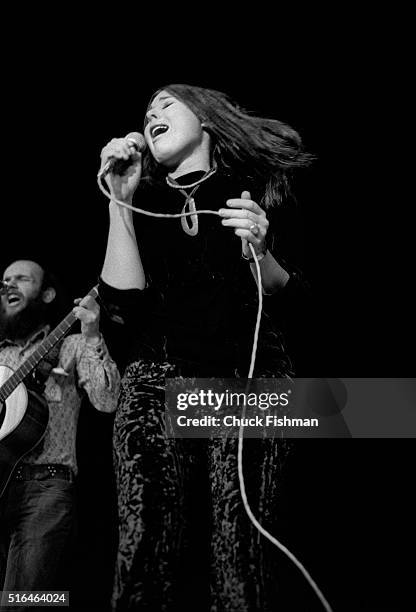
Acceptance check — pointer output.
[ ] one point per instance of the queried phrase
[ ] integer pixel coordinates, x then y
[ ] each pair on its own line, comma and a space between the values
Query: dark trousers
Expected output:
185, 541
36, 525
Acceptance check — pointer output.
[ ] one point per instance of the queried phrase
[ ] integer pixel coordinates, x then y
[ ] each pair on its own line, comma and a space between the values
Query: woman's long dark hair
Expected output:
262, 152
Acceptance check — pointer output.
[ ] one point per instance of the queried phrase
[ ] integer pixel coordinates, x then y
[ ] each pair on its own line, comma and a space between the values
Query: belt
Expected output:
43, 471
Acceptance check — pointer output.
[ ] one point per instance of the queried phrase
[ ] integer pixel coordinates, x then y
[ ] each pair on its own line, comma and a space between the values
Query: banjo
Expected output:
24, 413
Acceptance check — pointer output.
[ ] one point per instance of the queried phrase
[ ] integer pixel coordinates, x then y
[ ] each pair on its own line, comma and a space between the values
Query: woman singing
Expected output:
186, 291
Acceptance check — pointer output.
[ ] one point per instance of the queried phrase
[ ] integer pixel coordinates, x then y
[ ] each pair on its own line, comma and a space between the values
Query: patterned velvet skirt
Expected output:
185, 540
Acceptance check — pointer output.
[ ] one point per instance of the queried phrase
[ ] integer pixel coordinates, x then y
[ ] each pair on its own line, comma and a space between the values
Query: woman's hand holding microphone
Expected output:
121, 165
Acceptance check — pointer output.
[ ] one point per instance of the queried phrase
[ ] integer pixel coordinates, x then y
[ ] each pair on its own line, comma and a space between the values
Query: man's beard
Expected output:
21, 325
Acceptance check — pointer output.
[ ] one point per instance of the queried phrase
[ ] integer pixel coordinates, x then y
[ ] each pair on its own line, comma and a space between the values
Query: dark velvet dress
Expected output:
185, 541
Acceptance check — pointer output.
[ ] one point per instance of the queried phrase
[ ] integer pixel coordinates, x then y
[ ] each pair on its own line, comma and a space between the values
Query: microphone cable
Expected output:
246, 505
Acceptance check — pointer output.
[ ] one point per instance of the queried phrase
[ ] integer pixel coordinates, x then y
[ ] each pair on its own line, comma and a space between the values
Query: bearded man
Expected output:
37, 508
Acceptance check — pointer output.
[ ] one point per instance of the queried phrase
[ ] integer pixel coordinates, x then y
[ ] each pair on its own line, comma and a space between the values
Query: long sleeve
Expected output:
121, 305
291, 309
97, 373
138, 330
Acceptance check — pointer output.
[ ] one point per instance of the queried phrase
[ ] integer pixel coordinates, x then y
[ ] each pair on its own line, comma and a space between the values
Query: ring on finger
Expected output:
254, 229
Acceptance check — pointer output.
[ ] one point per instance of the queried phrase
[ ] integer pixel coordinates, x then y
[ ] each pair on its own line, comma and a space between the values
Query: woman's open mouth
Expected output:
158, 130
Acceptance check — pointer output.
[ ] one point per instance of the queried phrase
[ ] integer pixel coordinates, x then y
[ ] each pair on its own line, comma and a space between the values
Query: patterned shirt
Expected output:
80, 366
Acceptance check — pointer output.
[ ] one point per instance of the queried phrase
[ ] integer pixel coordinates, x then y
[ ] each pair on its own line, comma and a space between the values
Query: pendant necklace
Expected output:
190, 228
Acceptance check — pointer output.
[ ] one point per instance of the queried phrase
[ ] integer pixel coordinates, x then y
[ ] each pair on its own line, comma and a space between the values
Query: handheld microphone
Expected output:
137, 141
3, 286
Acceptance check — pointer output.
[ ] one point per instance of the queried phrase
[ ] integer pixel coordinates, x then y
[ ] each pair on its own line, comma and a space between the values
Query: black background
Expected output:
348, 512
